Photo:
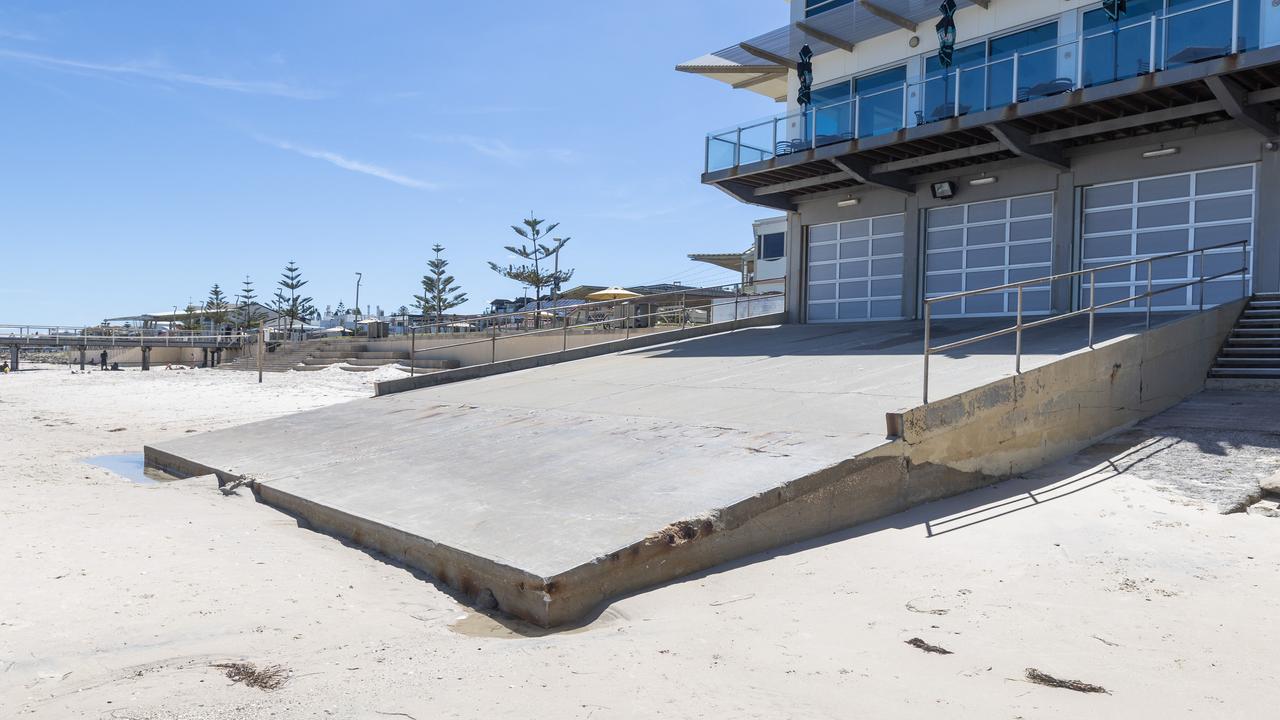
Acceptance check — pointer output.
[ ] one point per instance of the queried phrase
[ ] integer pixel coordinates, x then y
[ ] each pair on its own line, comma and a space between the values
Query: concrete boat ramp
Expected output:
545, 492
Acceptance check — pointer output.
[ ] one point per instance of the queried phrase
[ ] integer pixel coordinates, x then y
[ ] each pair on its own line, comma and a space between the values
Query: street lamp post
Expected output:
359, 278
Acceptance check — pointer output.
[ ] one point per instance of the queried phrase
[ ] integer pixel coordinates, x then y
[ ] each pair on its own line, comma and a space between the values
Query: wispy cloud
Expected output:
502, 151
353, 165
16, 35
161, 74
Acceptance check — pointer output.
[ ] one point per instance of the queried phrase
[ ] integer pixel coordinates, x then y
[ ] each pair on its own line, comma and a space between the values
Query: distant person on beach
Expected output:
4, 367
103, 356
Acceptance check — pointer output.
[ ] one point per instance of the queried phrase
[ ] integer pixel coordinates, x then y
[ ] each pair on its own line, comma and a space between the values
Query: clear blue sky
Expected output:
151, 149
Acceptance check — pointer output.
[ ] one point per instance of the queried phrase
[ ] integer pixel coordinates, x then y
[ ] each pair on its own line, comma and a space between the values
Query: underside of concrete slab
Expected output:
547, 491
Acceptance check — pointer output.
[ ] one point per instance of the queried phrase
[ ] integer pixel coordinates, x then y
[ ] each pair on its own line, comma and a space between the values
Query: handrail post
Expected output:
684, 310
737, 155
928, 307
1202, 280
564, 346
1244, 269
1153, 44
1235, 27
1093, 293
1150, 268
493, 345
1017, 349
1015, 77
413, 350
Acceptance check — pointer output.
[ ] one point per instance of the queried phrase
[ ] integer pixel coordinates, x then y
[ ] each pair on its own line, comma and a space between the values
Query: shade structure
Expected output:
613, 293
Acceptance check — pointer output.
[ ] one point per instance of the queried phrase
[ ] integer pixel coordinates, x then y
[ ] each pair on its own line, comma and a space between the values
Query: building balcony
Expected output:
1071, 70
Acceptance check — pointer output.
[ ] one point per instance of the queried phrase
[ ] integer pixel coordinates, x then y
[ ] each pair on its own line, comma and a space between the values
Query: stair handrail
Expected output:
1019, 327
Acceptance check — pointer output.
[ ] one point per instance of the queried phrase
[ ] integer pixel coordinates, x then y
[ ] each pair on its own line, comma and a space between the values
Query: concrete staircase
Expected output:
1252, 351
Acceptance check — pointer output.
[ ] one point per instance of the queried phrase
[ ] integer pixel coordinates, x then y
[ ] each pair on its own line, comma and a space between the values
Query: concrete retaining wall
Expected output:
1020, 423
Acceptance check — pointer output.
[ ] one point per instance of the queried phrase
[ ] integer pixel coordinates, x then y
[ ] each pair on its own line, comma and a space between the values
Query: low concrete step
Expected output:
321, 361
425, 364
1255, 331
1253, 351
370, 362
1258, 322
1245, 373
1261, 313
1264, 361
383, 355
356, 368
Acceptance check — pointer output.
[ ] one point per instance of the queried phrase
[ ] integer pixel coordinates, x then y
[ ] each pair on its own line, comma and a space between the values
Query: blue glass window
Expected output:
832, 112
880, 101
813, 7
1114, 50
1037, 65
940, 88
772, 246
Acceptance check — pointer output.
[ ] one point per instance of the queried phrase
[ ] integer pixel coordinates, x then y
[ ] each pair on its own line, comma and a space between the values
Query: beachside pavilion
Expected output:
1063, 135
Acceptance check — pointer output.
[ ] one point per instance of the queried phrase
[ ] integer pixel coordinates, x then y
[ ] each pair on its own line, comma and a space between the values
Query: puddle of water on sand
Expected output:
131, 467
476, 624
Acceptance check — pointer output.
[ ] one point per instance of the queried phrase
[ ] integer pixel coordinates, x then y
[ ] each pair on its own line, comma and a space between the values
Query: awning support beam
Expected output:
766, 55
1235, 100
826, 37
742, 192
888, 15
860, 170
1019, 143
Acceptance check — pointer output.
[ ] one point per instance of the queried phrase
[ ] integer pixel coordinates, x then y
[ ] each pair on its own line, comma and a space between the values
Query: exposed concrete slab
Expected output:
550, 489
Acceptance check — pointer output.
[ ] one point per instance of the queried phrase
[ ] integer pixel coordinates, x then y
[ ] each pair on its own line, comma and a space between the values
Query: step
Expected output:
355, 368
1266, 361
1255, 332
1245, 373
1252, 312
326, 362
1264, 304
383, 355
1253, 351
1258, 322
371, 362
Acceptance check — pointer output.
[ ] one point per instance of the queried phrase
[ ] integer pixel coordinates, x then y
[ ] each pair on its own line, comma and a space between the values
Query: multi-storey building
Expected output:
1058, 139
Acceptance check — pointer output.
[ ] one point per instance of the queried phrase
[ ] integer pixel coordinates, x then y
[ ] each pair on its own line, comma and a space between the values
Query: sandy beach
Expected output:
1110, 568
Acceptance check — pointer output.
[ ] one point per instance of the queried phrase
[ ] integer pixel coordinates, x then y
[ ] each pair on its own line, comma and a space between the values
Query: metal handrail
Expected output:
628, 322
1019, 327
585, 306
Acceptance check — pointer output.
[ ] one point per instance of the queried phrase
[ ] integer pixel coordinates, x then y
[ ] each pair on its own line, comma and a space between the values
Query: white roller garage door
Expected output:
984, 244
855, 270
1165, 214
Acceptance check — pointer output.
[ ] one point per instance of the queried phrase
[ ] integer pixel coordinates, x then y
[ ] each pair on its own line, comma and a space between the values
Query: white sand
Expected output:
116, 597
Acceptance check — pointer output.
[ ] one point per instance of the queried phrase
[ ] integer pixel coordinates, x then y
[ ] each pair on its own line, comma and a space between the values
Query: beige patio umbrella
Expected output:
613, 293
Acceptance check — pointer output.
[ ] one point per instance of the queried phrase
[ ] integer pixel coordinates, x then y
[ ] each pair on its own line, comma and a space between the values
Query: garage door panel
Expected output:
855, 270
1003, 241
1168, 214
854, 249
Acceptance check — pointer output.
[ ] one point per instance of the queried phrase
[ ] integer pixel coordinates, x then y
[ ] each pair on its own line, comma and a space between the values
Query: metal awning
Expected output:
839, 29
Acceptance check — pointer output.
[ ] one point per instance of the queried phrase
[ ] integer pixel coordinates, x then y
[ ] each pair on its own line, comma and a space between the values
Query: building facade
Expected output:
1060, 139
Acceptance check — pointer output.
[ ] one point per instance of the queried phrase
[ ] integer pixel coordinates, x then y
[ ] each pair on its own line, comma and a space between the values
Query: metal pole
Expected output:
1148, 294
737, 150
413, 350
1202, 280
565, 344
1015, 78
1017, 350
684, 310
493, 345
262, 347
626, 319
1244, 269
1093, 289
928, 308
1235, 31
1153, 44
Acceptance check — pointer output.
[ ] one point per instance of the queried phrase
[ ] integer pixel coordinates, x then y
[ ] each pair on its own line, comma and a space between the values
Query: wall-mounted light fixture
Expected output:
985, 180
1271, 146
1162, 152
944, 190
848, 202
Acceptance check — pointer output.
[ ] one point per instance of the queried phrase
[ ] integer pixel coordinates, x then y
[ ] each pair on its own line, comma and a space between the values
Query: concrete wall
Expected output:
1206, 147
1020, 423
